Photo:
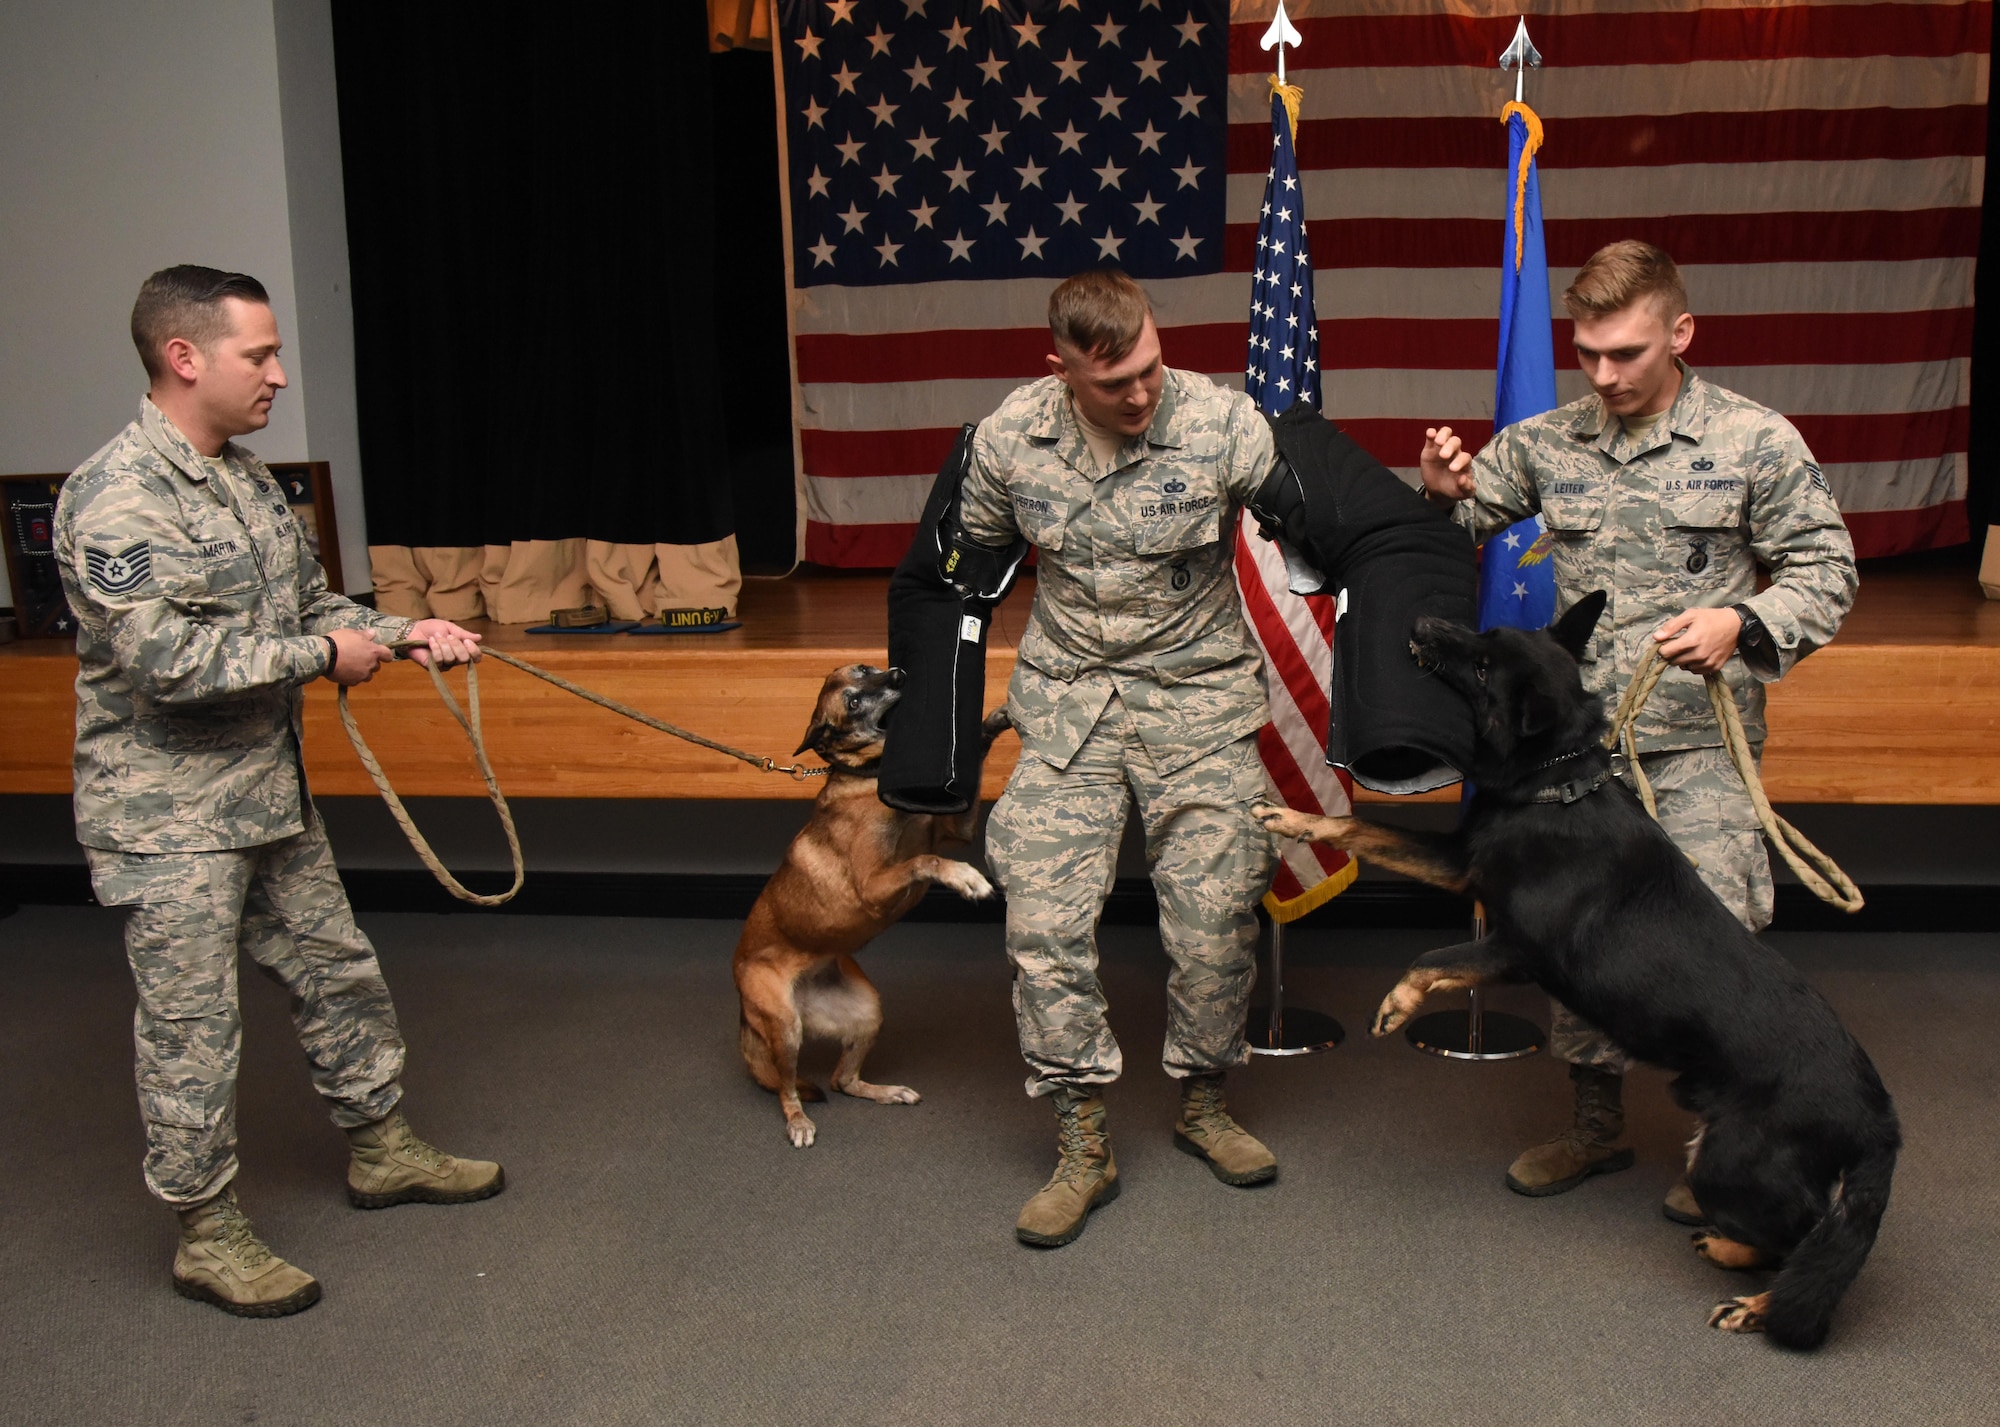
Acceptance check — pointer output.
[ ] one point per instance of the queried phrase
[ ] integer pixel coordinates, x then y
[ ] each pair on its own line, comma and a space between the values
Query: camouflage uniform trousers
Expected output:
191, 911
1706, 810
1053, 843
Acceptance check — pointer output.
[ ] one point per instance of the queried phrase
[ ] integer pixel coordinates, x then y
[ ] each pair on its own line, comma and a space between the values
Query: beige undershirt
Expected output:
1640, 428
1104, 444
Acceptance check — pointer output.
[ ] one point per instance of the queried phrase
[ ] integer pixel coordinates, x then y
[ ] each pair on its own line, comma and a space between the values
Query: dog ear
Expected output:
1573, 630
819, 733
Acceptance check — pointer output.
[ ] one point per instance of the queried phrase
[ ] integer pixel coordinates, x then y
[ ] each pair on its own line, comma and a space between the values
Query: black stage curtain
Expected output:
532, 233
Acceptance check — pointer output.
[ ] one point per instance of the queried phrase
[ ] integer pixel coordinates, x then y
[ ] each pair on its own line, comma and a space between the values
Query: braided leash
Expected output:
468, 720
1813, 867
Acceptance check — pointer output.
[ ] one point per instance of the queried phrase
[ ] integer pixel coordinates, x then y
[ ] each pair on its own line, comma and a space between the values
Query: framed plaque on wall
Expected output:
28, 515
308, 487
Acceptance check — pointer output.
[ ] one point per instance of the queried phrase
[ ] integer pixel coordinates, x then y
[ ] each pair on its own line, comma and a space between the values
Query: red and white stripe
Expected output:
1296, 635
1817, 171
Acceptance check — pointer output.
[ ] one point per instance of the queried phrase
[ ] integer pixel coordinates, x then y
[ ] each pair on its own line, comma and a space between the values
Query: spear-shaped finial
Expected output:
1282, 33
1517, 56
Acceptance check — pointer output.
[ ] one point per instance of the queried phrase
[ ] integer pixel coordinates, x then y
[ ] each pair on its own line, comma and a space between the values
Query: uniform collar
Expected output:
168, 440
1688, 416
1055, 421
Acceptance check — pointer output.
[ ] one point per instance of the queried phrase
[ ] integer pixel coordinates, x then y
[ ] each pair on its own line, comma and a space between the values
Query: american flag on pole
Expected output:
1295, 632
1816, 170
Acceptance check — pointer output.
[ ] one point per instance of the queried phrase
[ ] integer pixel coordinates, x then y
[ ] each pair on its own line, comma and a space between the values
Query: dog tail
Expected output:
1818, 1271
996, 723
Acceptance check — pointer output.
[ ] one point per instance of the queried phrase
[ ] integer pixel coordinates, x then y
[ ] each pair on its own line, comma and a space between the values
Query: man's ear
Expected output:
183, 358
820, 732
1573, 630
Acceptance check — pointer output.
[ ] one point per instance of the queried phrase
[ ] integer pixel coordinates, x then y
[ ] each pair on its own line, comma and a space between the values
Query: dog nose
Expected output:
896, 677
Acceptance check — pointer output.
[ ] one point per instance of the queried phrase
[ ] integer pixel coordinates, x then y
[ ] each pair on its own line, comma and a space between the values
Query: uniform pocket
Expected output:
1041, 517
184, 1107
1572, 508
1172, 527
1701, 531
1701, 509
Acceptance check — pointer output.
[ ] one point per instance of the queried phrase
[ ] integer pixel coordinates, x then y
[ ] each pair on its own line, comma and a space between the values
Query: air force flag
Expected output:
1517, 584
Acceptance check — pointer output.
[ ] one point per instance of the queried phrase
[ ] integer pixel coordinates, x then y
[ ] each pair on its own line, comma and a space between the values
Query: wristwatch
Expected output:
332, 656
1754, 643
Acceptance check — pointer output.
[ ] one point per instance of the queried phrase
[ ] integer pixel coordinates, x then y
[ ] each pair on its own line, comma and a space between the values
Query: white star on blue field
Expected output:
953, 139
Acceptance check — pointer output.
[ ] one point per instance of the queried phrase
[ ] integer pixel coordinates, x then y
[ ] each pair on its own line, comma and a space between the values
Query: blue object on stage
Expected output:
1517, 582
610, 626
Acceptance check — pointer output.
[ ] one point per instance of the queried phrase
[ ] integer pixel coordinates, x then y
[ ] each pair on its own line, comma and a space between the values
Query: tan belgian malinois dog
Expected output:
856, 868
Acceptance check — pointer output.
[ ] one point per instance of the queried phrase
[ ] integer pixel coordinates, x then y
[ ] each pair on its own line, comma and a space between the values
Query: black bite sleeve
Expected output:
1393, 558
941, 601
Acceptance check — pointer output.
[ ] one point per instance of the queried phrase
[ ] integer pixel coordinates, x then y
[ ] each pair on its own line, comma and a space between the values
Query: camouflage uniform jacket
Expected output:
199, 606
1135, 591
1679, 519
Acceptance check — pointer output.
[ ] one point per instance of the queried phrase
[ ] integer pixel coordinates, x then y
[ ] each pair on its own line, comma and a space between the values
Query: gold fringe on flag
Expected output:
1293, 96
1534, 123
1313, 898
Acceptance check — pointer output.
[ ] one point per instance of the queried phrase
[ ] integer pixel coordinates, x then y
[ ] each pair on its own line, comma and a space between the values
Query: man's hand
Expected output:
1447, 467
1699, 640
449, 644
356, 656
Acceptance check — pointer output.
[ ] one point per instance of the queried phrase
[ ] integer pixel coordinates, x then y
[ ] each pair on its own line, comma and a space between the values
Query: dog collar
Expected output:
1572, 789
1575, 788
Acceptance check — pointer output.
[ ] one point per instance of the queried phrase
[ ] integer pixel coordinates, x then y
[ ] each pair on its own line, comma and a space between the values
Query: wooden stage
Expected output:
1903, 708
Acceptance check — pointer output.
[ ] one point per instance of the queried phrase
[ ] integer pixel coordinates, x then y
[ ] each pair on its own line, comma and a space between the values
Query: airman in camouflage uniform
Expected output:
1136, 677
202, 615
1678, 516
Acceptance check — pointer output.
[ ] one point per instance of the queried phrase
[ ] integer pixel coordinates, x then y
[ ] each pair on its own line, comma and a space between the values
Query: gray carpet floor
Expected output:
662, 1255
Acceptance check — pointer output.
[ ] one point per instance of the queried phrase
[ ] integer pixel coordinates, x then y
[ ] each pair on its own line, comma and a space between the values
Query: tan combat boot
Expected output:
1589, 1146
1086, 1175
222, 1261
1205, 1129
391, 1165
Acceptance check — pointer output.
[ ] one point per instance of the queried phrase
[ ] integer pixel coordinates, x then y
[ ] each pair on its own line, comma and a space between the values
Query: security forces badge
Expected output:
119, 572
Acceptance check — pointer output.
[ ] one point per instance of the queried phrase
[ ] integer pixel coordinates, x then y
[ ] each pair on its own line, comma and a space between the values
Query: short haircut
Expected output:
186, 301
1099, 313
1619, 274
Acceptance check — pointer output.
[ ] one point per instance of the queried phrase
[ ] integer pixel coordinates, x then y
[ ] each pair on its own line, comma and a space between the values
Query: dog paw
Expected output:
800, 1131
966, 880
1726, 1253
1397, 1007
1282, 822
1740, 1315
880, 1094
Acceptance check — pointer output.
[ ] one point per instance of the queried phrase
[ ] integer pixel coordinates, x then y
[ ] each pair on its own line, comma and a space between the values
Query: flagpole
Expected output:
1477, 1033
1299, 1031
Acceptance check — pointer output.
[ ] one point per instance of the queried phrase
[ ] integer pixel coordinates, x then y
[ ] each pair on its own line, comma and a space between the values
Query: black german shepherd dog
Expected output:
1586, 897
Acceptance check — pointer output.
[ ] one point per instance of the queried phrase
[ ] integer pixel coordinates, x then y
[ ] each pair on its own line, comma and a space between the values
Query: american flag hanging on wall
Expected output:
1816, 170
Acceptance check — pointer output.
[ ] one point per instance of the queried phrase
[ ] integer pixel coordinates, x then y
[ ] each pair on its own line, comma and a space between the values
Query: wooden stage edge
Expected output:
1903, 708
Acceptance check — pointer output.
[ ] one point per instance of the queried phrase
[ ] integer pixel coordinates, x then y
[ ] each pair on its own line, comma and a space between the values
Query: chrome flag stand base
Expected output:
1475, 1033
1276, 1030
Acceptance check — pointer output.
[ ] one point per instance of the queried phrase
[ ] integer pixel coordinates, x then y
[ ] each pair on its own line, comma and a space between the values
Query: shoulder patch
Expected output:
1818, 478
119, 572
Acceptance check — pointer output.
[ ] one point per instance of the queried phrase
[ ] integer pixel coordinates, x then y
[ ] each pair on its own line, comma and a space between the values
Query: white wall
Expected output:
134, 136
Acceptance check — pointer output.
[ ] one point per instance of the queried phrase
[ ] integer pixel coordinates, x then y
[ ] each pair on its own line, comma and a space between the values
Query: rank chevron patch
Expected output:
119, 572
